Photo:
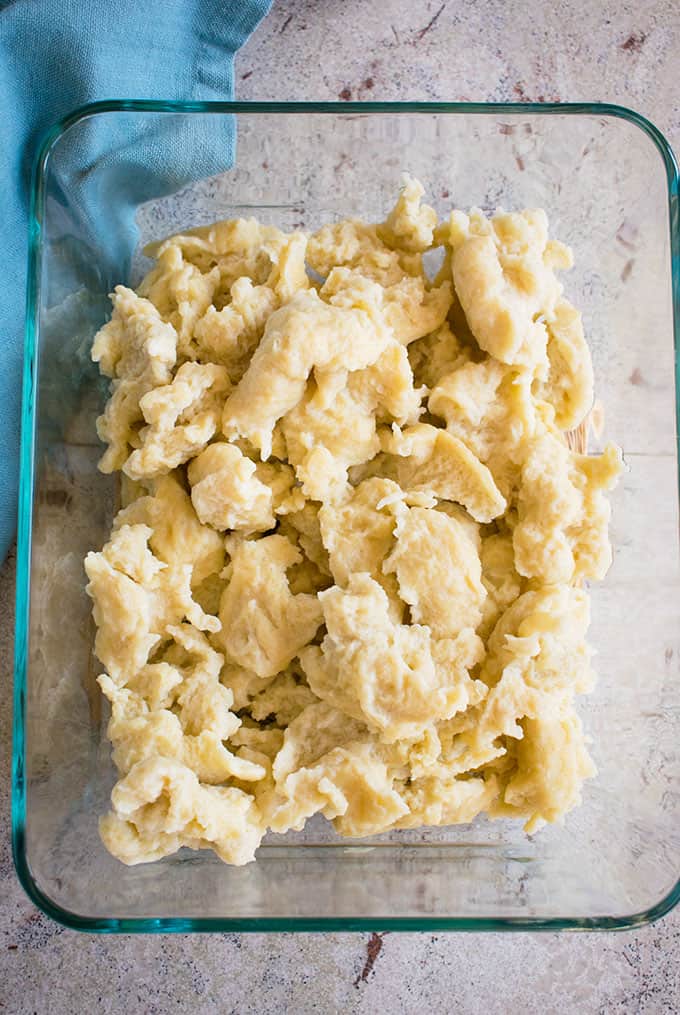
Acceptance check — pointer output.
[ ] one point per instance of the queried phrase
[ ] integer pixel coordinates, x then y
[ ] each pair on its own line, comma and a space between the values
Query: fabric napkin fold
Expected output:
56, 55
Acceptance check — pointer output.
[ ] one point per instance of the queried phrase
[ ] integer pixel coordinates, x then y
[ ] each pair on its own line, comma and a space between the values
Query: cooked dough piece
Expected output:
156, 684
436, 355
328, 763
435, 799
307, 577
284, 699
177, 536
238, 247
306, 526
317, 731
161, 806
569, 384
136, 599
543, 634
141, 735
447, 507
563, 514
136, 342
182, 416
138, 350
289, 272
182, 294
304, 335
325, 434
438, 570
537, 661
391, 676
267, 742
193, 731
280, 478
350, 786
202, 703
489, 408
226, 492
552, 763
409, 307
410, 225
431, 459
386, 388
355, 244
264, 625
358, 534
501, 581
503, 271
333, 428
230, 336
243, 684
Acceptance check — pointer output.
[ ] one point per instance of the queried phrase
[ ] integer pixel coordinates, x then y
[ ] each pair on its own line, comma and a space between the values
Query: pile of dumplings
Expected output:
347, 575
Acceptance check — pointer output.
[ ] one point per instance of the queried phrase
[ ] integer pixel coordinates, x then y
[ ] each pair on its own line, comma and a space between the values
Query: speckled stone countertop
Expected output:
489, 50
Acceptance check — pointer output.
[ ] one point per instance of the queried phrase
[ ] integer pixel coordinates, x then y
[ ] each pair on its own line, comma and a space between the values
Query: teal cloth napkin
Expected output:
56, 55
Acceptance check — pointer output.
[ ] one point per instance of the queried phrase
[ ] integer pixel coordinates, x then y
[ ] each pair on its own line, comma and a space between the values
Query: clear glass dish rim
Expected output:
125, 925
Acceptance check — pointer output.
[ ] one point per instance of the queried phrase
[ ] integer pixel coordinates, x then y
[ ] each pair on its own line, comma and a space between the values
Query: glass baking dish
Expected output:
610, 185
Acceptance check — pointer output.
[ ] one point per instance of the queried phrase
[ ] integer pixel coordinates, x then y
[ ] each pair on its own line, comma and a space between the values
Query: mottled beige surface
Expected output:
497, 50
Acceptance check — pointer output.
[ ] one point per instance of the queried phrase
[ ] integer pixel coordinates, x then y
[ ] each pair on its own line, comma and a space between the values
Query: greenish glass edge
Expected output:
25, 517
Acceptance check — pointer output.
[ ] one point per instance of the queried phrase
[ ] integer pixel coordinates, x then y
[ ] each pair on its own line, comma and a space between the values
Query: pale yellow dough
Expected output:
347, 574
